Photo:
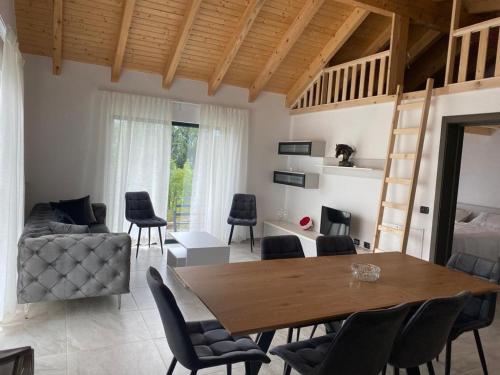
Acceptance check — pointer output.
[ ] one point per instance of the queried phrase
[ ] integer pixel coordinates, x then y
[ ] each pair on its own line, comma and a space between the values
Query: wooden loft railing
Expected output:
463, 37
358, 79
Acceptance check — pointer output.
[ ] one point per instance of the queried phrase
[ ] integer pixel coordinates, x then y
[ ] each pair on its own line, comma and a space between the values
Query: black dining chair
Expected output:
200, 344
479, 312
361, 346
334, 245
244, 213
18, 361
139, 211
426, 333
331, 245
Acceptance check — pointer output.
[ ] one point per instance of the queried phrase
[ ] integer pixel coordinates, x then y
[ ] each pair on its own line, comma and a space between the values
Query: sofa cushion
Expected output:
79, 210
63, 228
98, 228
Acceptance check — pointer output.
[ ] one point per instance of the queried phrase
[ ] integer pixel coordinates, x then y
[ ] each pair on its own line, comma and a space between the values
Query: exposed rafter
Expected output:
425, 12
482, 6
398, 56
422, 44
287, 41
182, 37
57, 33
345, 31
378, 43
128, 10
244, 26
427, 65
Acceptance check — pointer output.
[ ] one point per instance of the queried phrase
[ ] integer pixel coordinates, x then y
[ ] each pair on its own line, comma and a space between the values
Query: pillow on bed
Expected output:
489, 220
461, 215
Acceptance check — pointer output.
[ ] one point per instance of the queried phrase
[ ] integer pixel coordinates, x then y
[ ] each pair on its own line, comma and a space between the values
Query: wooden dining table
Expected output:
263, 296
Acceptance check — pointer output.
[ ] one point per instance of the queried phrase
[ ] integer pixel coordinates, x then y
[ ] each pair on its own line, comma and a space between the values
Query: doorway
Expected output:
448, 177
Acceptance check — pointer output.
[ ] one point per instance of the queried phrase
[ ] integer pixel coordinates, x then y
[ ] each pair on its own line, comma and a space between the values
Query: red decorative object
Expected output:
306, 223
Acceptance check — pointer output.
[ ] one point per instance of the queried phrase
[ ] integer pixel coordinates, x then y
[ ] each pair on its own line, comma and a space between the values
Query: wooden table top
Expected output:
259, 296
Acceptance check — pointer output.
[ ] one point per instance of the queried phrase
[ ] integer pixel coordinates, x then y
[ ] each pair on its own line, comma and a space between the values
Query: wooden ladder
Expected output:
411, 183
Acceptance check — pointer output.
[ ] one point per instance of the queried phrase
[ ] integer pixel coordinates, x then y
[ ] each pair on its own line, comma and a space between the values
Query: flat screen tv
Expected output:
335, 222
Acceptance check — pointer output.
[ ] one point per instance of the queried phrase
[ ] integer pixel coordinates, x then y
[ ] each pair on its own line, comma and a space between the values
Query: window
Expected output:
184, 140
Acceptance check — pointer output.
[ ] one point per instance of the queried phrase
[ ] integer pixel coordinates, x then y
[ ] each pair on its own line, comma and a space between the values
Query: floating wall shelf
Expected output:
297, 179
364, 168
307, 148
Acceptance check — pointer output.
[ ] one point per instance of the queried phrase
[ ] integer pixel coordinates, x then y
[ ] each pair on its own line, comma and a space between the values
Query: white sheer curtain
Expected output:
220, 169
11, 168
135, 135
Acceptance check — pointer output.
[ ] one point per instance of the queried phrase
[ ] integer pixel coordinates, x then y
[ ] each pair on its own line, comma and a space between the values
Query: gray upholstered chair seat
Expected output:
240, 221
304, 356
214, 345
98, 228
149, 222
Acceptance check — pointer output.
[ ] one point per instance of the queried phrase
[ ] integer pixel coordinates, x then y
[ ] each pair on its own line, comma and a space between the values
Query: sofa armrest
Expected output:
68, 266
99, 212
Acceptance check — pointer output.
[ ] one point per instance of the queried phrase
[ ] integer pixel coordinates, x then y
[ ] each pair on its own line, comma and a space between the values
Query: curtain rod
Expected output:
154, 96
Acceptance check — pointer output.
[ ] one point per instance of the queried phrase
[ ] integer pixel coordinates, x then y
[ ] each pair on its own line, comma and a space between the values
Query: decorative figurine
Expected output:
345, 151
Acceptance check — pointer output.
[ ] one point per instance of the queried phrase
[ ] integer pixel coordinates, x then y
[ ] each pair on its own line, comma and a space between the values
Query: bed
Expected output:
477, 231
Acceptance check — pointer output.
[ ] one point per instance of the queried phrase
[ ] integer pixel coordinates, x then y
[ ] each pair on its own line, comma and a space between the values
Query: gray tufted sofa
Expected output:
68, 266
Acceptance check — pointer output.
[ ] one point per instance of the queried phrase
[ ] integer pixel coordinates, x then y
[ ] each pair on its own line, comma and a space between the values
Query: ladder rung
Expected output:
385, 228
405, 131
399, 181
403, 156
396, 206
410, 106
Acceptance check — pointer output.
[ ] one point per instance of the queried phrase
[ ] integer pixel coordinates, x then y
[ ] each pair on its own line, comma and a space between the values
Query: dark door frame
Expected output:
448, 175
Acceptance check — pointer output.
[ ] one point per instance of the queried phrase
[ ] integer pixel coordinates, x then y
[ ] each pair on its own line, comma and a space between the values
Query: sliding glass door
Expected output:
184, 140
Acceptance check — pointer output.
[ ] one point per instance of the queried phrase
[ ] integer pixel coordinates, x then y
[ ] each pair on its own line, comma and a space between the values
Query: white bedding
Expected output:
479, 240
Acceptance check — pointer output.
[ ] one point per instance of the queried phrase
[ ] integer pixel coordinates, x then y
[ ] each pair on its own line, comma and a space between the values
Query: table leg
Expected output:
264, 341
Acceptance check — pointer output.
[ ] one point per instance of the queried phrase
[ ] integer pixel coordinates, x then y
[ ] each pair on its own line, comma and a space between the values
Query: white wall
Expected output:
58, 109
480, 162
367, 129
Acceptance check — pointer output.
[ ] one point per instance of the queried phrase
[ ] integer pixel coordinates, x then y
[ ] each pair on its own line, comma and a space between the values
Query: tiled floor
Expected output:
93, 337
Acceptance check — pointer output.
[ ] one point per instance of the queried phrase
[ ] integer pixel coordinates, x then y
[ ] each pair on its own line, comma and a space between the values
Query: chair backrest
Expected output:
426, 333
281, 247
363, 344
138, 206
478, 307
334, 245
173, 322
244, 206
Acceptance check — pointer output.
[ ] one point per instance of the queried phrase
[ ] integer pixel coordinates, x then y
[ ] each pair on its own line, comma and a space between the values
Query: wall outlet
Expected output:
356, 241
366, 245
424, 210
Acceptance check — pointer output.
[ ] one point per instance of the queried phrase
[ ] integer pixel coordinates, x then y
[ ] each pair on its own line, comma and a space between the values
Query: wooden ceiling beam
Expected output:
424, 12
422, 44
382, 40
482, 6
336, 42
286, 43
57, 34
128, 11
180, 43
244, 25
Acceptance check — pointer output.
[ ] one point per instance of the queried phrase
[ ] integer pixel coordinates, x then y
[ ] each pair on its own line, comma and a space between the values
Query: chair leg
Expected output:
193, 372
161, 240
287, 370
298, 334
251, 239
231, 235
149, 236
130, 228
229, 369
384, 370
290, 336
313, 331
172, 367
396, 371
138, 242
430, 368
447, 366
480, 352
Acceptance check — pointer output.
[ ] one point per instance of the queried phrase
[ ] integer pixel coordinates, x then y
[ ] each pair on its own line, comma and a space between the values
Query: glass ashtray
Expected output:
365, 272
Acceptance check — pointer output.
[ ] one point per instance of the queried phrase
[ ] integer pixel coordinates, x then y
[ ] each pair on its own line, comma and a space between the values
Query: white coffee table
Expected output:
198, 248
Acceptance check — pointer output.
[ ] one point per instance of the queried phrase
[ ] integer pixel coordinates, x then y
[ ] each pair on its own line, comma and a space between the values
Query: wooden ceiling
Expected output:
256, 44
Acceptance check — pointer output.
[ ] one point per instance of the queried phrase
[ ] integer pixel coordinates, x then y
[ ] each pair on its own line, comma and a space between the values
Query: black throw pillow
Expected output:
79, 210
61, 216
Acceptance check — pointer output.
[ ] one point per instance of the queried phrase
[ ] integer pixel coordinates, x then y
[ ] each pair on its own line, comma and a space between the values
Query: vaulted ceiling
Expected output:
255, 44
